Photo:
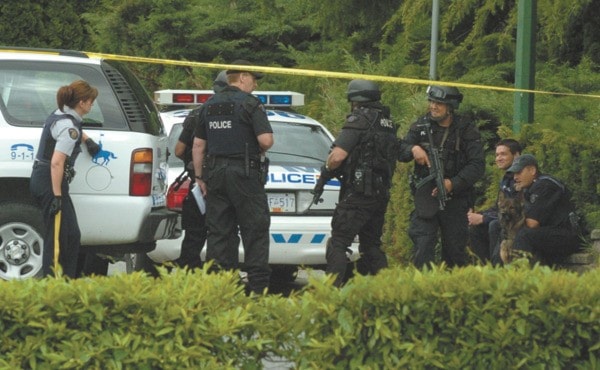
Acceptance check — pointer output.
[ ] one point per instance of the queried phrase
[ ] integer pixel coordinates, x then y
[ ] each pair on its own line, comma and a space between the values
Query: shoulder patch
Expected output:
533, 198
356, 122
73, 133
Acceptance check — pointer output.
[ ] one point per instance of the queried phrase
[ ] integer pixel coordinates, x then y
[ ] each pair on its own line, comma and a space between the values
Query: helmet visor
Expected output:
434, 92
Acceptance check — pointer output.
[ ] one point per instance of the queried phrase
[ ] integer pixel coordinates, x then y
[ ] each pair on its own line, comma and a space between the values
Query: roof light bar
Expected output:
194, 97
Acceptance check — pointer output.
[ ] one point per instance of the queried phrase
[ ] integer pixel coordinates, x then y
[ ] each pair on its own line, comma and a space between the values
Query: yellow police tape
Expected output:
314, 73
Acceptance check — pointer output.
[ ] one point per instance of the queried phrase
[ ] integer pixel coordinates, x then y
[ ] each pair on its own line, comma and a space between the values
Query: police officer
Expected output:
192, 220
364, 158
461, 157
484, 227
60, 144
552, 230
232, 137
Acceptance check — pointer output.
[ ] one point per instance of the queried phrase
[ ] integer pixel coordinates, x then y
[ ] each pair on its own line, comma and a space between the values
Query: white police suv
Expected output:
119, 194
299, 229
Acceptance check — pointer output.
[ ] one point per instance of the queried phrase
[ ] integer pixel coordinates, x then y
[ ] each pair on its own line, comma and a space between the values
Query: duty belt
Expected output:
232, 161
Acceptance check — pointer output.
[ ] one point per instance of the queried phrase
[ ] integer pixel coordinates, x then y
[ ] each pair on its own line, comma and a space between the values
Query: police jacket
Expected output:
369, 136
548, 201
230, 121
461, 151
187, 137
71, 132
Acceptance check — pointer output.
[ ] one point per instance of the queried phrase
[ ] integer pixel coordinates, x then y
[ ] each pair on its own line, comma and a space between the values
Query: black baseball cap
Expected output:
521, 162
242, 62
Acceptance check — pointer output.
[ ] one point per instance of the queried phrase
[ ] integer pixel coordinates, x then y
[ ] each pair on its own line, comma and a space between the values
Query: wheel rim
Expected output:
21, 249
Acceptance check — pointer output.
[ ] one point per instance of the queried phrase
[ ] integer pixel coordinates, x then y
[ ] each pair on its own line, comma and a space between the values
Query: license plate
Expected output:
282, 202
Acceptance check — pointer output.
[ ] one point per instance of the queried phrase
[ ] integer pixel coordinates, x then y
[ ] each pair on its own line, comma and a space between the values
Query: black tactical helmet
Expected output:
363, 91
445, 94
220, 82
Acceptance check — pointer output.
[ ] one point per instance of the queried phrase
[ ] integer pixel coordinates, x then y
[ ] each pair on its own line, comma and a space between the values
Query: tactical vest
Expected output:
48, 143
560, 216
371, 164
450, 143
229, 132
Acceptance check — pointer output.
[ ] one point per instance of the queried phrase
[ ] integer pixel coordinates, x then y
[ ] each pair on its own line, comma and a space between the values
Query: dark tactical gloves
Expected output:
92, 147
55, 205
326, 175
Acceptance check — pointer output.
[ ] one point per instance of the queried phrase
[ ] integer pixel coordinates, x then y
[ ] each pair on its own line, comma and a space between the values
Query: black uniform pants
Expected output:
454, 227
69, 234
235, 199
194, 224
549, 243
484, 240
357, 214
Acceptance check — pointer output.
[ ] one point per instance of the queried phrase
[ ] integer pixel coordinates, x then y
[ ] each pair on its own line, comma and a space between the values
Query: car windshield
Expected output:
295, 143
299, 144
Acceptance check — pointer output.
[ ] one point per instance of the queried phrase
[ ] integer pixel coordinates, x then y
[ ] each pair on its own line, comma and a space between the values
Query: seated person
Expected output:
548, 233
484, 228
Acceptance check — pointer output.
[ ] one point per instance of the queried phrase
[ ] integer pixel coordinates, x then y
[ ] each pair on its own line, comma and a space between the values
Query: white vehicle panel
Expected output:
296, 237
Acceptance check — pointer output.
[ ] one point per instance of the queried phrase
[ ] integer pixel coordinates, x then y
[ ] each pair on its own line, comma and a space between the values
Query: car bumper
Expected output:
294, 240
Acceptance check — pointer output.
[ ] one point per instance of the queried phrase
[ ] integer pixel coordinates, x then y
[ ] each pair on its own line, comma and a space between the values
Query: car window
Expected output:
28, 93
300, 144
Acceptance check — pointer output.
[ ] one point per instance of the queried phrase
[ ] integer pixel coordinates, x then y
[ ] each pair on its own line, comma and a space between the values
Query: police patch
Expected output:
73, 133
533, 198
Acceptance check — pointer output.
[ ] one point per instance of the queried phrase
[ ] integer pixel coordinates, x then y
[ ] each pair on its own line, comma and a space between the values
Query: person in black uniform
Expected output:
364, 158
60, 144
192, 220
232, 137
552, 230
462, 160
484, 227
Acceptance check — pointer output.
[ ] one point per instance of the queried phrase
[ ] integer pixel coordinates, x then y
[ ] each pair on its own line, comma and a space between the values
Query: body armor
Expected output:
371, 164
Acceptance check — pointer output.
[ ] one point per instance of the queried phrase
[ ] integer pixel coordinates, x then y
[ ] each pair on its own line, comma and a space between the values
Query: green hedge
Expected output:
468, 318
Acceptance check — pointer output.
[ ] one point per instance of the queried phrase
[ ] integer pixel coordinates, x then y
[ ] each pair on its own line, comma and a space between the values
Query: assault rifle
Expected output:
436, 171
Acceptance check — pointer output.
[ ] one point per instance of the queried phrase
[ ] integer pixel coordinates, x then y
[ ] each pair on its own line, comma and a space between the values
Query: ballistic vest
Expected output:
229, 131
48, 143
371, 164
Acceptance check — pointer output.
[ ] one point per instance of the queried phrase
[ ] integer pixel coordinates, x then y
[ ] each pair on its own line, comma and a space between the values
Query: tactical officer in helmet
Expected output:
364, 158
457, 144
192, 221
232, 136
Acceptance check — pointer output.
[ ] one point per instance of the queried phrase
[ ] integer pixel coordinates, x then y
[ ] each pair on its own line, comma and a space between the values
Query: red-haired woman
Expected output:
60, 144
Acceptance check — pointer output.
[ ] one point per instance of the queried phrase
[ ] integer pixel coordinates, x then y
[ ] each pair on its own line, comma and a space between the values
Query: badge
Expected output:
73, 133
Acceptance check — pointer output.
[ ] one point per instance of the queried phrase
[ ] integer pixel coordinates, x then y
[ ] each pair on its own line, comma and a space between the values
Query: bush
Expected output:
467, 318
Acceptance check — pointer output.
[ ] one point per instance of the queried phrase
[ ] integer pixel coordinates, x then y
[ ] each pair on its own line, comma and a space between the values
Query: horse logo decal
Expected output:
105, 155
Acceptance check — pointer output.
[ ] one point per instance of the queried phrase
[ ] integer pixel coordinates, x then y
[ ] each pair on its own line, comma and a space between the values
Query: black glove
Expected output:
320, 185
55, 205
92, 147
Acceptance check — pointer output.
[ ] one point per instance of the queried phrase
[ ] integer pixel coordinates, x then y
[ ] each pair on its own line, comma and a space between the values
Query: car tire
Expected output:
21, 227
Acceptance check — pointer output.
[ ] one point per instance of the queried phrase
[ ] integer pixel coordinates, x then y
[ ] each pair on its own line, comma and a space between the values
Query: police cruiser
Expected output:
299, 230
119, 194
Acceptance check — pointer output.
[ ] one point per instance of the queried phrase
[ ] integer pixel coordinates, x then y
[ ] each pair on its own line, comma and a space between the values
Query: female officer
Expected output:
53, 171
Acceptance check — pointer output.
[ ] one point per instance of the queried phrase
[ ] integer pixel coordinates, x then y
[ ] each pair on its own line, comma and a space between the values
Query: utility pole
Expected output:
435, 21
525, 63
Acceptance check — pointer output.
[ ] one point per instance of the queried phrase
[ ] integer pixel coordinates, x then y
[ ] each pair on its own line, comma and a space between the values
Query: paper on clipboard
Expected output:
199, 198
